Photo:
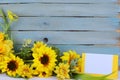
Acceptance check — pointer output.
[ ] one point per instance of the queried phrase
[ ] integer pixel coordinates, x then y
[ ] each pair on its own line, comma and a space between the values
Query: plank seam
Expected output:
58, 3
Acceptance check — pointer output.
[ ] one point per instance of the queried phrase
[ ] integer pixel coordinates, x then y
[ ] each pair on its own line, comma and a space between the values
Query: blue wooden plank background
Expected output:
82, 25
58, 1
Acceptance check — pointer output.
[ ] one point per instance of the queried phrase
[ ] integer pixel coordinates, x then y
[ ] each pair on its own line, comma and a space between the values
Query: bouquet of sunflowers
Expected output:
37, 59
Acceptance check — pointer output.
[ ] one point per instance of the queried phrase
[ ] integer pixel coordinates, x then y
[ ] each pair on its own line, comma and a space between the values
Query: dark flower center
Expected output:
44, 60
34, 68
43, 73
12, 65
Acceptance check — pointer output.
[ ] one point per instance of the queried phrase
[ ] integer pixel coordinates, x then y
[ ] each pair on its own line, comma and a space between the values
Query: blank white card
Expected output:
98, 63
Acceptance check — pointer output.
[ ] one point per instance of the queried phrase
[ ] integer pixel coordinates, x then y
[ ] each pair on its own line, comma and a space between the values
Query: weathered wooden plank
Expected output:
88, 49
66, 23
38, 9
58, 1
118, 2
61, 37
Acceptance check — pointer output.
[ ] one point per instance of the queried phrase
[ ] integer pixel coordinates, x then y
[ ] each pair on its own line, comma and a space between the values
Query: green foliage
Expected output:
84, 76
17, 76
8, 19
59, 54
74, 62
25, 53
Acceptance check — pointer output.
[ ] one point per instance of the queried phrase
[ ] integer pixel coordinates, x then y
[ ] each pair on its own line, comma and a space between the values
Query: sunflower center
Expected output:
34, 68
25, 70
12, 65
43, 73
44, 60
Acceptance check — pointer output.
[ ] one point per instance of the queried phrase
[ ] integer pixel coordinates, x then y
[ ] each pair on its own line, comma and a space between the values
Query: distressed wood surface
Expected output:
62, 37
81, 25
90, 49
102, 49
58, 1
118, 1
66, 23
37, 9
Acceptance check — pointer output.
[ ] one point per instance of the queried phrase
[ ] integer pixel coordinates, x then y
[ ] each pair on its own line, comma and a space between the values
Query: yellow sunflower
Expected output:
26, 71
2, 35
9, 43
35, 72
4, 49
72, 55
62, 71
12, 17
69, 56
45, 59
12, 65
78, 66
38, 45
45, 74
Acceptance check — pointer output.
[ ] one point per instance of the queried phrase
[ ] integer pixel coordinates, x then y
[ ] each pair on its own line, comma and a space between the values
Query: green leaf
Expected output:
90, 77
57, 50
74, 62
17, 76
4, 16
2, 25
65, 61
5, 24
25, 53
59, 54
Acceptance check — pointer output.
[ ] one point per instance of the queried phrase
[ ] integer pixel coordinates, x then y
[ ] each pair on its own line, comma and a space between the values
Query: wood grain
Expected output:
37, 9
101, 49
118, 30
67, 37
82, 25
67, 23
58, 1
118, 1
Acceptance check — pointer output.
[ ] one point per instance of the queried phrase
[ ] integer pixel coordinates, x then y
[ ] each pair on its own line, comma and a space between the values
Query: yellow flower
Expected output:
35, 72
38, 45
12, 17
69, 56
62, 71
9, 43
78, 66
45, 59
44, 73
72, 55
12, 65
4, 49
26, 72
2, 35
